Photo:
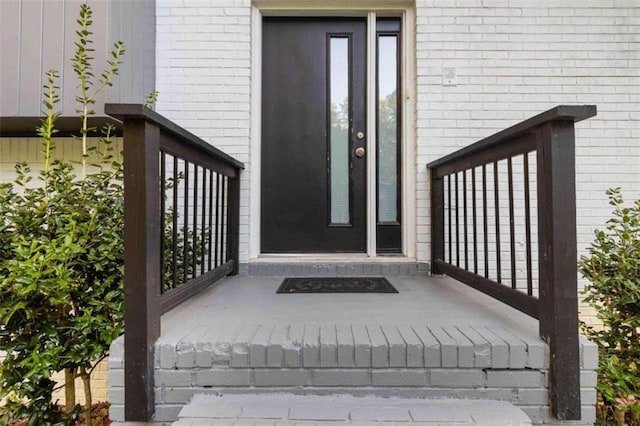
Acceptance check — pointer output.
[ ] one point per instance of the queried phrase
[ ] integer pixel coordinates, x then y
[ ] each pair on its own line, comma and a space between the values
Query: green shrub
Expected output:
61, 258
613, 269
61, 287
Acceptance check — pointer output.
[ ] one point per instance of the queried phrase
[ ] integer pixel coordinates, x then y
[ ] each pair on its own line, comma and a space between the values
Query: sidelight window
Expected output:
388, 135
339, 107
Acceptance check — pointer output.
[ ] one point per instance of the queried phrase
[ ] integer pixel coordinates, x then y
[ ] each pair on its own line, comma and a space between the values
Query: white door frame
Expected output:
364, 8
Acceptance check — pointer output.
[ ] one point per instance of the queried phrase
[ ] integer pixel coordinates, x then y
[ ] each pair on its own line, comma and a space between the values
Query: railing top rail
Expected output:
573, 113
124, 112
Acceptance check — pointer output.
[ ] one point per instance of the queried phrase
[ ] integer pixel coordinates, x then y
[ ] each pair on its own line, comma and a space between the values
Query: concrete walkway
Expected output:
287, 409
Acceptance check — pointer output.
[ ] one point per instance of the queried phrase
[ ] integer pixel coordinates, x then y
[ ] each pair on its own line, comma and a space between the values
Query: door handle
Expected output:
359, 152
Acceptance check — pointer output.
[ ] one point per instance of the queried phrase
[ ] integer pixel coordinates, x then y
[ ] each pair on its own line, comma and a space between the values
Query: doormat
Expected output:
336, 285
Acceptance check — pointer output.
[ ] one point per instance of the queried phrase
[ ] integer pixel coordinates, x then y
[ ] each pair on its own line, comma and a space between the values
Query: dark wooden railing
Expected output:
483, 231
181, 233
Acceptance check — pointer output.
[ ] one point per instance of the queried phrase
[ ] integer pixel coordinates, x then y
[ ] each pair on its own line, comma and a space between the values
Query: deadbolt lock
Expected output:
359, 152
360, 135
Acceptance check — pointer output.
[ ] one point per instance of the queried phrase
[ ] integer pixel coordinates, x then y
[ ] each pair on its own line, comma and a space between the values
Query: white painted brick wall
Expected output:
203, 75
513, 59
516, 58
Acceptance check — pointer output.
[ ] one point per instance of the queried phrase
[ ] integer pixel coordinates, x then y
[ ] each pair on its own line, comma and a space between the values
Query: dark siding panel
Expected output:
38, 35
134, 24
101, 43
68, 77
115, 34
10, 57
137, 78
53, 41
30, 57
149, 47
130, 38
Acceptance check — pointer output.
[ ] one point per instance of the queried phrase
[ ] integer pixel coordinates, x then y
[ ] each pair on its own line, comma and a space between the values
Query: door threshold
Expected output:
329, 258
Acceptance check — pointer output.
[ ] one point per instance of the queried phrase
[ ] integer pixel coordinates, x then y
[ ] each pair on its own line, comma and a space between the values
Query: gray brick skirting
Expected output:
448, 361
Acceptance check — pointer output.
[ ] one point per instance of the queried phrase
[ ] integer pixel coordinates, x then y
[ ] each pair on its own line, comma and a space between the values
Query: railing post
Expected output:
233, 223
558, 264
437, 221
141, 265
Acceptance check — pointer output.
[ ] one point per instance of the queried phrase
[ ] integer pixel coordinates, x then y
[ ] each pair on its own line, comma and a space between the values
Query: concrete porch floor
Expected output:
421, 300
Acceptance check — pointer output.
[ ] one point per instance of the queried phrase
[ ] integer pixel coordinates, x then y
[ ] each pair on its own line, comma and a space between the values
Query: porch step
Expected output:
286, 267
288, 409
275, 346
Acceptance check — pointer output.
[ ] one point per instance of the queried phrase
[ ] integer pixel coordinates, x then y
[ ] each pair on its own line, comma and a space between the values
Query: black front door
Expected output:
313, 140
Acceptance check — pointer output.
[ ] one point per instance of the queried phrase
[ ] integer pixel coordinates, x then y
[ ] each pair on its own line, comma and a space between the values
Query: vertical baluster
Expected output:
217, 232
185, 252
457, 224
163, 213
496, 197
474, 219
450, 260
210, 242
194, 254
203, 221
512, 228
465, 233
226, 218
527, 223
485, 225
174, 230
223, 221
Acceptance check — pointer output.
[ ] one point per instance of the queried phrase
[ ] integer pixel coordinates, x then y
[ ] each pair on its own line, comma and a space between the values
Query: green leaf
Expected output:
613, 269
